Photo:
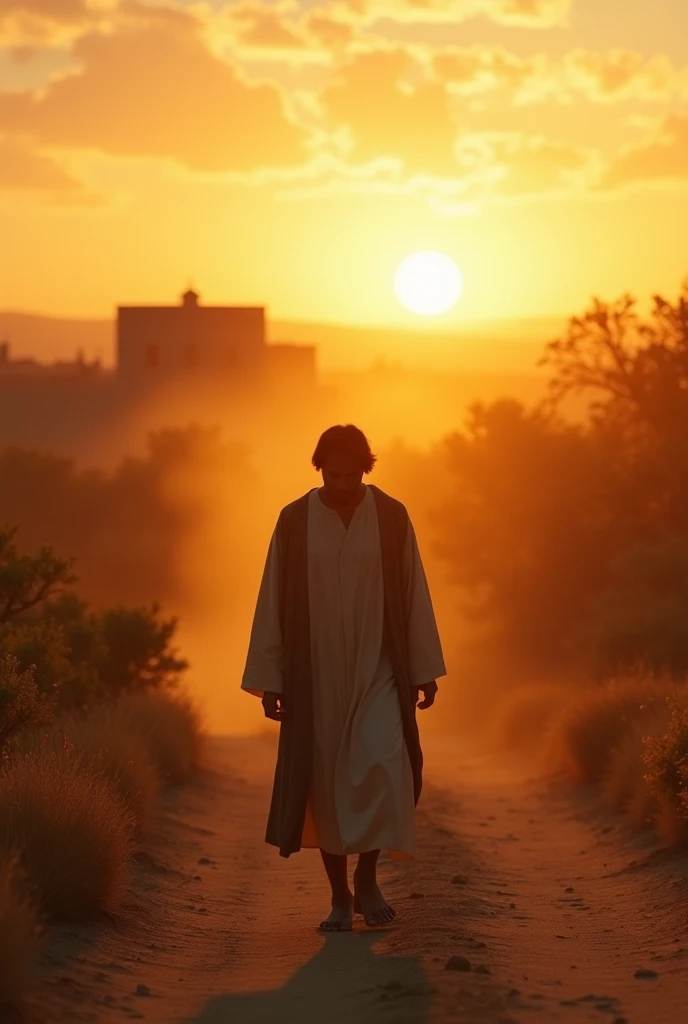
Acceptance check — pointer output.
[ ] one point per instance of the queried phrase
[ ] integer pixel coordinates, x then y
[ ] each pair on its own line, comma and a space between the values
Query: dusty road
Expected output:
555, 906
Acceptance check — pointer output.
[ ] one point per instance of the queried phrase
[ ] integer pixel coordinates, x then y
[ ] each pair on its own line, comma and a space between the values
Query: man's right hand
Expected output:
273, 706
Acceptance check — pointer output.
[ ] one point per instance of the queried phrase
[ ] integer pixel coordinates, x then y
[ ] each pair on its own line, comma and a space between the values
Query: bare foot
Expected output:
370, 903
342, 917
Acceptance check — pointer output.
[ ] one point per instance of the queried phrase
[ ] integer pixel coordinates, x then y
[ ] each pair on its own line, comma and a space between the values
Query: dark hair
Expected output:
348, 439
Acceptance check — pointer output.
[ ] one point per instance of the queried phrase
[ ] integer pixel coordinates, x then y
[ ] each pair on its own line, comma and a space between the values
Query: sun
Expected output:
428, 283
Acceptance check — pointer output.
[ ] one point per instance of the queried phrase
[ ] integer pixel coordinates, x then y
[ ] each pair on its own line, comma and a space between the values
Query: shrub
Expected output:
624, 785
666, 760
584, 736
21, 704
81, 686
138, 650
105, 746
170, 726
28, 580
39, 646
18, 930
72, 832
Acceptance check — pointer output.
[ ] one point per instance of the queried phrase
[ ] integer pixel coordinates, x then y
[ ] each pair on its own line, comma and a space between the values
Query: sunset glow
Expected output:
288, 153
428, 283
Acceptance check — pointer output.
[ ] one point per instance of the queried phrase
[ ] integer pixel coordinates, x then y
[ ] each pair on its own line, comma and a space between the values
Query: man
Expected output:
344, 642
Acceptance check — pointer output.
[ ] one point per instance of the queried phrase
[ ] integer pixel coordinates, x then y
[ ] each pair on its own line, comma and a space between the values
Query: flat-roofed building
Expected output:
157, 344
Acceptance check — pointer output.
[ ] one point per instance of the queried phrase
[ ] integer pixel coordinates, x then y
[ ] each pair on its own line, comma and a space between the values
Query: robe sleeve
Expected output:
426, 661
263, 671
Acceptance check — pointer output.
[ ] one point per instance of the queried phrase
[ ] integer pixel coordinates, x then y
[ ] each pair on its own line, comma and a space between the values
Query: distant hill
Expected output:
498, 346
492, 346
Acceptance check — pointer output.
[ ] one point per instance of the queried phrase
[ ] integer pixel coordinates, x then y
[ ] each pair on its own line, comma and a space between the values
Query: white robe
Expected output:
362, 788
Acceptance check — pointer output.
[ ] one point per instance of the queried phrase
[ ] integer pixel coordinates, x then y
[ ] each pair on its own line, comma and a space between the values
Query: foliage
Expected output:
526, 535
666, 759
640, 618
28, 580
22, 706
138, 650
60, 652
129, 528
569, 541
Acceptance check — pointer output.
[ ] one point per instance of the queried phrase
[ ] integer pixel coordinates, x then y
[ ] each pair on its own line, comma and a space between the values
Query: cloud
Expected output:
521, 166
23, 169
152, 88
388, 112
327, 30
526, 13
662, 157
43, 22
477, 70
266, 27
494, 168
608, 76
623, 74
284, 30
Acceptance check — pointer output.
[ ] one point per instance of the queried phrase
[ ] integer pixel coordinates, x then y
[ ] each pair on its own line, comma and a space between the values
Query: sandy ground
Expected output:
555, 906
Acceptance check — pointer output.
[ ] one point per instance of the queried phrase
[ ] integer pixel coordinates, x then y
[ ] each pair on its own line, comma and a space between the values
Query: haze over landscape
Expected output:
540, 143
216, 221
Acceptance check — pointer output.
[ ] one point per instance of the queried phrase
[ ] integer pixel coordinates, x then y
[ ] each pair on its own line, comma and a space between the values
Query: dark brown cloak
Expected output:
295, 752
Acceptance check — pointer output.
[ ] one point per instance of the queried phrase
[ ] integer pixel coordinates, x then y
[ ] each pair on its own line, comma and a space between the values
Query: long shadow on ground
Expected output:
344, 982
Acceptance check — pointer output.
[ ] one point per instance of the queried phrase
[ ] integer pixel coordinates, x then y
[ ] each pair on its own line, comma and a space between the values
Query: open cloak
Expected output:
295, 751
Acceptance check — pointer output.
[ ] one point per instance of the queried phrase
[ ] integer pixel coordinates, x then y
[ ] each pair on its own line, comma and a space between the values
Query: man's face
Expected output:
342, 478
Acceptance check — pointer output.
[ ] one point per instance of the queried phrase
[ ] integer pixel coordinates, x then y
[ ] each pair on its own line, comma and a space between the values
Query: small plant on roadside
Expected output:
170, 726
584, 737
105, 746
666, 761
72, 832
22, 706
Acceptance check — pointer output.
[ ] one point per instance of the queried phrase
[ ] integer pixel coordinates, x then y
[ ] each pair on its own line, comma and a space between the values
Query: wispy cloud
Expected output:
528, 13
661, 157
24, 169
385, 115
153, 88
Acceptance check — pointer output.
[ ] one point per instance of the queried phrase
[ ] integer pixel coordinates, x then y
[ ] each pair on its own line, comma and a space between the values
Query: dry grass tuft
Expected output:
73, 833
585, 735
105, 747
170, 725
18, 931
523, 715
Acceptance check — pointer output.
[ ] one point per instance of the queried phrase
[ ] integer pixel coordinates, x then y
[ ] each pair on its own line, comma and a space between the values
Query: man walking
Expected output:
343, 644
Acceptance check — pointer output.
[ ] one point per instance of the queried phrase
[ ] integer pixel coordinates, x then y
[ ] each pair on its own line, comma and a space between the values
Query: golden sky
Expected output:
292, 153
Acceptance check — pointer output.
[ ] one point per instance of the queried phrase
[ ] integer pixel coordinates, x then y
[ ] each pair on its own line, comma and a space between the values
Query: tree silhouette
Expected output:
28, 580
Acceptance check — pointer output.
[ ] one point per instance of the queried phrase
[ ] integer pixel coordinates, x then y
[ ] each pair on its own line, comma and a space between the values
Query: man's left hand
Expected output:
429, 691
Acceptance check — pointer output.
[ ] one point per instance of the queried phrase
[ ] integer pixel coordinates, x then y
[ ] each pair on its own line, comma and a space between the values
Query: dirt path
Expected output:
555, 909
